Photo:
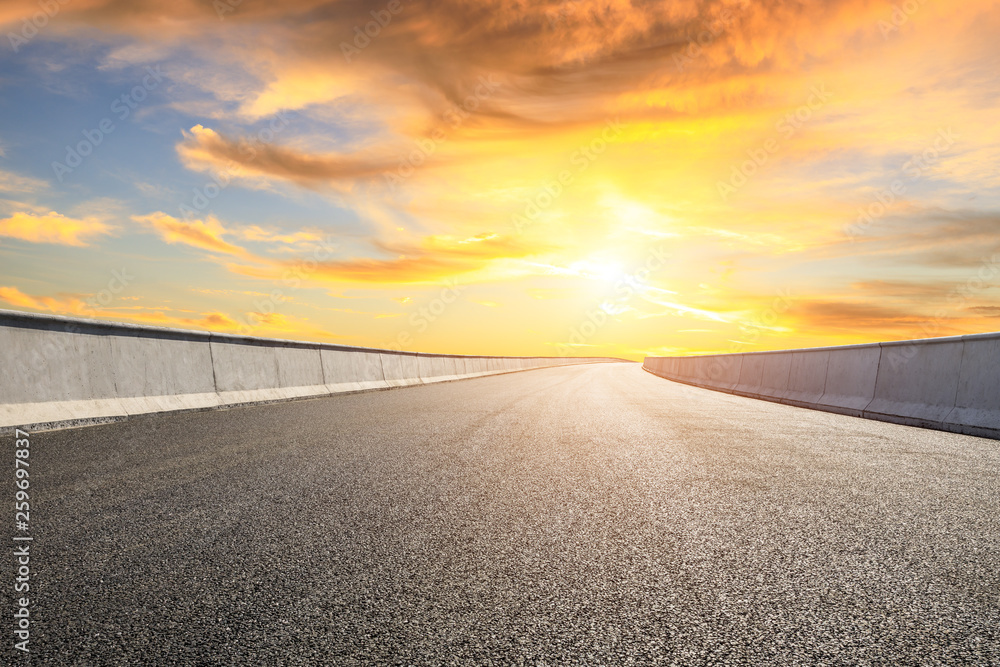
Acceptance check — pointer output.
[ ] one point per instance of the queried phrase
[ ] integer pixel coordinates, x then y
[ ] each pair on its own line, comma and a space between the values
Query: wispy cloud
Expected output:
204, 149
435, 259
204, 234
17, 184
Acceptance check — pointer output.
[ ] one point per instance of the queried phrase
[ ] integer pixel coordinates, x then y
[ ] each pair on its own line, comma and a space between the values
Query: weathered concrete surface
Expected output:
917, 382
950, 384
687, 368
751, 374
352, 370
977, 404
437, 369
774, 378
850, 379
806, 377
401, 369
246, 370
300, 371
54, 371
723, 373
64, 371
163, 374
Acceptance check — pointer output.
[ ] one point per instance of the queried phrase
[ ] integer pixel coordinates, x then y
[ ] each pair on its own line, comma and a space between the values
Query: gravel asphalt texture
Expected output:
592, 515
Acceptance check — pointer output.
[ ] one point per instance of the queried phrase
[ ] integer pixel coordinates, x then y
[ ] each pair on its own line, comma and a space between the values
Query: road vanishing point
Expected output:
592, 514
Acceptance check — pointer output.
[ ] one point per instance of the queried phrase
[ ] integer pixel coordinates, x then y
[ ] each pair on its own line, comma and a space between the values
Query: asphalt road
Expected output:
580, 515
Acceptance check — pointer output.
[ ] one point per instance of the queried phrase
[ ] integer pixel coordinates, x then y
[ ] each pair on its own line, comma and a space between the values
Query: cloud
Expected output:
204, 234
53, 228
203, 149
562, 59
209, 321
282, 325
700, 86
877, 321
77, 306
435, 259
559, 63
62, 303
299, 238
215, 321
905, 289
226, 292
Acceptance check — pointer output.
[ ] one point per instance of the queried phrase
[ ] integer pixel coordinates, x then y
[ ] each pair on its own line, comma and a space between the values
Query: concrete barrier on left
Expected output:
59, 371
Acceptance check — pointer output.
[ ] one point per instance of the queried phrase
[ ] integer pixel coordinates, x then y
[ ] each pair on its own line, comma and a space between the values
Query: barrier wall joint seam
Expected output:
878, 373
826, 378
958, 385
114, 375
322, 371
211, 357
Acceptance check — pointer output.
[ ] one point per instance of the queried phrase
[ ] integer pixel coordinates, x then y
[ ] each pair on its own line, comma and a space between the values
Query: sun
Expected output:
599, 269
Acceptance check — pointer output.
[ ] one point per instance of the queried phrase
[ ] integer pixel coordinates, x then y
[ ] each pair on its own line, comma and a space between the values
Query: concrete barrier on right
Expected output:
917, 384
951, 384
850, 379
807, 371
977, 401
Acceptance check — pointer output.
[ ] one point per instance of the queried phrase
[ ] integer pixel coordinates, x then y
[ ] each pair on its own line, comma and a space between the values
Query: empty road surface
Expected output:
579, 515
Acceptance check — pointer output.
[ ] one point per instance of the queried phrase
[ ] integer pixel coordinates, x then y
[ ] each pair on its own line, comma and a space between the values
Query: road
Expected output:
577, 515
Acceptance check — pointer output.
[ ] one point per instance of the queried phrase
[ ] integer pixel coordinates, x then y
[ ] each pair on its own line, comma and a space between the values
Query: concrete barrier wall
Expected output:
806, 377
774, 378
57, 371
950, 384
360, 370
977, 402
244, 369
51, 365
161, 374
850, 379
724, 372
918, 384
751, 374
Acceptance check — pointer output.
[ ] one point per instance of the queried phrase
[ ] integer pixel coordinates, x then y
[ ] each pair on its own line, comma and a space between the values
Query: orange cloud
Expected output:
53, 228
204, 149
702, 88
279, 325
215, 321
73, 305
435, 259
204, 234
64, 303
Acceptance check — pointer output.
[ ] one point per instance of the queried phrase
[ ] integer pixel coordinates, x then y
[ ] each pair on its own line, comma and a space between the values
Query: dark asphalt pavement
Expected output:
580, 515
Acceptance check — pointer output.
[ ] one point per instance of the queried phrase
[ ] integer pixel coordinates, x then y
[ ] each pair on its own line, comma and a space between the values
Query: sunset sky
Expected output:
581, 177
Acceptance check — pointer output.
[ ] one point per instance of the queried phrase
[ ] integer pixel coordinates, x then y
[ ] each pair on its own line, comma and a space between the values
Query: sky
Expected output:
557, 178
